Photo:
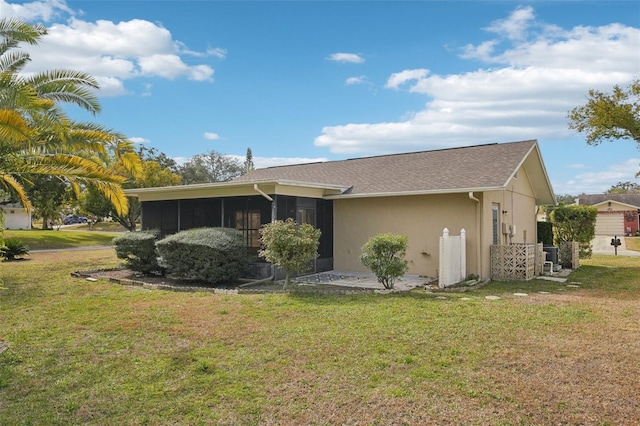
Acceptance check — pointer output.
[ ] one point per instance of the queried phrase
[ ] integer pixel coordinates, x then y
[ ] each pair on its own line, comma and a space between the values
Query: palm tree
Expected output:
37, 137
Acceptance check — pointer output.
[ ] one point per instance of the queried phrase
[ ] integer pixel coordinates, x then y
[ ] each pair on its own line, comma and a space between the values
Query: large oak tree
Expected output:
609, 116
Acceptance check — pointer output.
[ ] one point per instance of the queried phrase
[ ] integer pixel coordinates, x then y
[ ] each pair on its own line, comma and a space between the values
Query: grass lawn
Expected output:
98, 353
37, 239
632, 243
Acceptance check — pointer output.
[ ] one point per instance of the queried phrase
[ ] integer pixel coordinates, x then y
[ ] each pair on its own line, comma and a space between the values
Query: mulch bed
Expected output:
125, 276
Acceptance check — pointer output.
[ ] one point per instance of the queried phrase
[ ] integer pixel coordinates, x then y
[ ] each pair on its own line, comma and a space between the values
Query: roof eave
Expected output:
631, 206
548, 198
421, 192
135, 192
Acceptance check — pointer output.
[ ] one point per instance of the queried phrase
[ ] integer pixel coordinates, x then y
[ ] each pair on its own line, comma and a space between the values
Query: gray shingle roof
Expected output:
592, 199
447, 170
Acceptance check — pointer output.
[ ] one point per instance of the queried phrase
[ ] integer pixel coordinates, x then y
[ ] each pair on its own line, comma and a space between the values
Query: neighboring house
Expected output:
492, 191
618, 214
16, 216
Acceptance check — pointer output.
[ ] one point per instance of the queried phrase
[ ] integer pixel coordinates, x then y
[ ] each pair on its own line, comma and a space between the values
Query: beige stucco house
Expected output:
492, 191
618, 214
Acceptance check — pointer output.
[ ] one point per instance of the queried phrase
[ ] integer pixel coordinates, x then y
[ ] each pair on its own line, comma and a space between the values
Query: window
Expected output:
248, 222
307, 216
495, 210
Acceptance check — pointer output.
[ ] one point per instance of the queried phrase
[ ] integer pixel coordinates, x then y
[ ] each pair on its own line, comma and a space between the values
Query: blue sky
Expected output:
300, 81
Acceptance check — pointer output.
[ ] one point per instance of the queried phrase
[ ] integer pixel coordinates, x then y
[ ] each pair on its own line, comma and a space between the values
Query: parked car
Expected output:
71, 219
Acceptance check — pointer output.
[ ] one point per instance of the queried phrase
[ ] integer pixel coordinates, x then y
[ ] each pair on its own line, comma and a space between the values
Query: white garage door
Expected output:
610, 224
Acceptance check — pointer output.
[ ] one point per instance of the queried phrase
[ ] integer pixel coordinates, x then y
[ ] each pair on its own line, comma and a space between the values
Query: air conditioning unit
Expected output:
551, 254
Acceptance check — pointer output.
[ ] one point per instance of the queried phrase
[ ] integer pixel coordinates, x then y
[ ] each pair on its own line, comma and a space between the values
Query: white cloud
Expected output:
181, 160
201, 73
515, 26
353, 58
399, 78
112, 52
140, 140
211, 136
111, 86
36, 10
361, 79
164, 65
599, 181
537, 73
217, 51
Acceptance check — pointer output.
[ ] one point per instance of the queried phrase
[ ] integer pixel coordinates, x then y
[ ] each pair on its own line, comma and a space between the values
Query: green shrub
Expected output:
213, 255
289, 246
545, 233
138, 249
384, 255
13, 248
574, 223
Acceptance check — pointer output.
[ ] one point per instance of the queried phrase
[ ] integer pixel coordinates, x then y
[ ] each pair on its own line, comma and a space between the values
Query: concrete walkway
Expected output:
362, 280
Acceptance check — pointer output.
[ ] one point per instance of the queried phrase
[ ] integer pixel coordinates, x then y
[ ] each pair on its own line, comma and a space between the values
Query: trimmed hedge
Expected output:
138, 249
213, 255
574, 223
545, 233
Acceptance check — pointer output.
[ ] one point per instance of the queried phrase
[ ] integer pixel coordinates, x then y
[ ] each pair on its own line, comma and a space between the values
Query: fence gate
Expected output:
453, 258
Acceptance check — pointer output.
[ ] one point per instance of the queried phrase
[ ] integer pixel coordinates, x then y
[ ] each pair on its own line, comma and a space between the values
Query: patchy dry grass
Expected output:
97, 353
632, 243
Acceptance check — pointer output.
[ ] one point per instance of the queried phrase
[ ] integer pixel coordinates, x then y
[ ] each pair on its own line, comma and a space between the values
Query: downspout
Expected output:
261, 192
179, 215
479, 225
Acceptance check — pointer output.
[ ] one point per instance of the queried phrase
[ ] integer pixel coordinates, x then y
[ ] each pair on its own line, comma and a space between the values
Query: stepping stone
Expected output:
543, 292
555, 279
441, 297
492, 297
93, 280
465, 298
520, 294
573, 286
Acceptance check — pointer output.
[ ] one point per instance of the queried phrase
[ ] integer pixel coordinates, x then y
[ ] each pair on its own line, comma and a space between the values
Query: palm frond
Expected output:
12, 61
13, 185
16, 29
70, 166
13, 127
115, 194
66, 86
132, 163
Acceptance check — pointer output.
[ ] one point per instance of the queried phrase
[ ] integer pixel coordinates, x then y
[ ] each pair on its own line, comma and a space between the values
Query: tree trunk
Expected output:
287, 275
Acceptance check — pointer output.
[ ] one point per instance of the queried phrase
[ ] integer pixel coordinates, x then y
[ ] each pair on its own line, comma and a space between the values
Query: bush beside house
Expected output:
574, 223
289, 246
385, 256
213, 255
138, 250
